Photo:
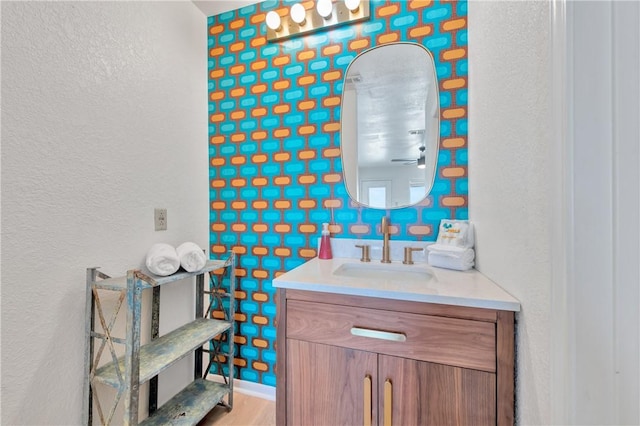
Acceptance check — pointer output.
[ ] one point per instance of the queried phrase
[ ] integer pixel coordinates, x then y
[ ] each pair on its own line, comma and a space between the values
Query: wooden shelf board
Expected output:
151, 280
165, 350
190, 405
155, 280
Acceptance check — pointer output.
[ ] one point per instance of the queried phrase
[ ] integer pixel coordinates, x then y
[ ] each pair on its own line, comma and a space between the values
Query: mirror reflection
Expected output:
390, 126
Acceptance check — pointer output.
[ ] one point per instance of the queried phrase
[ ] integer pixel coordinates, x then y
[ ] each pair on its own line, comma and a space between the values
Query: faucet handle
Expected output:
408, 251
365, 252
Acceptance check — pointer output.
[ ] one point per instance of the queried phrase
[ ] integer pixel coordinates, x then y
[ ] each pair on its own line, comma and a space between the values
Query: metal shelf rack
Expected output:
142, 363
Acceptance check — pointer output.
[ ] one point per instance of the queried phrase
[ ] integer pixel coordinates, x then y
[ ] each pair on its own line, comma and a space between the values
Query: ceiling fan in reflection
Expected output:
409, 161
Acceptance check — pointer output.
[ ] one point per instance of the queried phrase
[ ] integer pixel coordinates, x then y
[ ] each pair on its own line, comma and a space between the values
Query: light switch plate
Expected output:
160, 219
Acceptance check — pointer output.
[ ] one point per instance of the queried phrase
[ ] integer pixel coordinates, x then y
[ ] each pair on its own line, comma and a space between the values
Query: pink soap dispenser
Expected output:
325, 243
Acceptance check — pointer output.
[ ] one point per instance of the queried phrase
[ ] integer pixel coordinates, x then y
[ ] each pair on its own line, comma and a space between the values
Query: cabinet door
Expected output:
326, 384
422, 393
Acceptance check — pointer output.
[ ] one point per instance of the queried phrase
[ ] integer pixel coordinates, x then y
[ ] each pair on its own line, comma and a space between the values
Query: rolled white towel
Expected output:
162, 259
192, 258
460, 261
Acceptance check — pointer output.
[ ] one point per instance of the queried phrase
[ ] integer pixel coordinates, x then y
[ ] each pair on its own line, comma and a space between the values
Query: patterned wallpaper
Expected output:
274, 148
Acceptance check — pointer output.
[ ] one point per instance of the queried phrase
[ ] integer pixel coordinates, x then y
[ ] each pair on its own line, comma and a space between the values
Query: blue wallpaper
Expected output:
274, 148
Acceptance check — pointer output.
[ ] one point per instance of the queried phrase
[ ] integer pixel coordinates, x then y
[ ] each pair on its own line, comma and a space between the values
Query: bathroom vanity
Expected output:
371, 344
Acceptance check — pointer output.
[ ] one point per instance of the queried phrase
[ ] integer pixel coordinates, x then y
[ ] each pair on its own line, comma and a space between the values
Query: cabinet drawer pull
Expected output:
377, 334
388, 391
367, 400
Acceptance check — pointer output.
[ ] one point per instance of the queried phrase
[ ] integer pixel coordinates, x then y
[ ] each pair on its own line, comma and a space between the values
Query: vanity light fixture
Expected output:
324, 8
352, 5
274, 22
298, 14
306, 17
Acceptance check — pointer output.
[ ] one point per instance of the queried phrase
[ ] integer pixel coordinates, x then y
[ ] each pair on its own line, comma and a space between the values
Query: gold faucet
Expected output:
384, 228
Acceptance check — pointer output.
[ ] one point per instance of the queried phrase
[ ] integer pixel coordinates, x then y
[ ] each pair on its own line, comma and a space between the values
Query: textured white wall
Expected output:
104, 117
509, 170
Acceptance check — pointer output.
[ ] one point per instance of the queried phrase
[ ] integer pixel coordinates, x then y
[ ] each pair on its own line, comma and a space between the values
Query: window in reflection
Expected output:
376, 192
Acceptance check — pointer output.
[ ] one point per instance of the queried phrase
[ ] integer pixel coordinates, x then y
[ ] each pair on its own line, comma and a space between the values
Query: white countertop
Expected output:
469, 288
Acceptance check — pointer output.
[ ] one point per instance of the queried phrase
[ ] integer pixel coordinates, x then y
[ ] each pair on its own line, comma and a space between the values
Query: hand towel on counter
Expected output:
162, 259
460, 261
453, 248
191, 256
465, 255
455, 233
441, 248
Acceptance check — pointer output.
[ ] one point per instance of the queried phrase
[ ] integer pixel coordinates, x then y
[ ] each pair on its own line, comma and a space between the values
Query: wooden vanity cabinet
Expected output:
435, 364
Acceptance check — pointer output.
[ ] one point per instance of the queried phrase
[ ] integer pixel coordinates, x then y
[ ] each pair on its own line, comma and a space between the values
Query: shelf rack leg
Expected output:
198, 355
155, 332
216, 293
132, 350
87, 401
232, 316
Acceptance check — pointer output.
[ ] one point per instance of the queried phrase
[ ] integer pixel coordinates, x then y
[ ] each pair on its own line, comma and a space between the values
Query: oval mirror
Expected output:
390, 126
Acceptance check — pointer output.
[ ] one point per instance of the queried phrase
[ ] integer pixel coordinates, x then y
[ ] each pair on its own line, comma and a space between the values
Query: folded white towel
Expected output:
465, 255
162, 259
192, 258
455, 233
460, 262
441, 248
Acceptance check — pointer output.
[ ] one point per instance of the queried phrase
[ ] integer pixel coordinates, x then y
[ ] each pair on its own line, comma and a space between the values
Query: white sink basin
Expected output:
381, 271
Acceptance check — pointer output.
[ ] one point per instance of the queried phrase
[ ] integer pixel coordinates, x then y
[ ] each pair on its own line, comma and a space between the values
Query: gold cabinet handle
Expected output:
378, 334
367, 400
388, 391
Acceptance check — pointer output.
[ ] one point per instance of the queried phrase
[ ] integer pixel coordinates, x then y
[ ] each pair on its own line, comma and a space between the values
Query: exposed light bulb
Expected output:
324, 8
273, 20
352, 5
298, 14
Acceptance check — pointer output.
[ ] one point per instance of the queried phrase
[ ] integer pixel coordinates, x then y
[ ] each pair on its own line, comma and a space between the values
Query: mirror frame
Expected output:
432, 162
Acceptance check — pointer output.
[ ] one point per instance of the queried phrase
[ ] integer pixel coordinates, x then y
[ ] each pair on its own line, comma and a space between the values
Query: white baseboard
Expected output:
249, 388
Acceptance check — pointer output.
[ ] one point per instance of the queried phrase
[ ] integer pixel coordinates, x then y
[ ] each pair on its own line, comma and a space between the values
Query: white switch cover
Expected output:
161, 219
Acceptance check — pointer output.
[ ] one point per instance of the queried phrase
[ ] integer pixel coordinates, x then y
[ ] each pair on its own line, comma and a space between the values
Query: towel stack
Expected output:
454, 246
163, 259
